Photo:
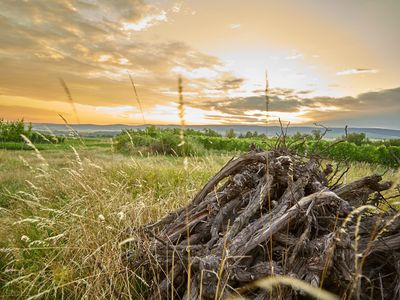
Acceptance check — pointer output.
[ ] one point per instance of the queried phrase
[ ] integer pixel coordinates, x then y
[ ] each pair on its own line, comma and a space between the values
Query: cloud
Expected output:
115, 109
92, 45
196, 73
146, 22
181, 8
295, 56
235, 26
290, 105
177, 7
231, 83
356, 72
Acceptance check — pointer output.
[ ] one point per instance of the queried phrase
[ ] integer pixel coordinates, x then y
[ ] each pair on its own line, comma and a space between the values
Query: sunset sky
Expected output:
333, 62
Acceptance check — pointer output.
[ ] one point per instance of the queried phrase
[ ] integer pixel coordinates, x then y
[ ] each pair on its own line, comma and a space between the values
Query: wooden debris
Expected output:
272, 213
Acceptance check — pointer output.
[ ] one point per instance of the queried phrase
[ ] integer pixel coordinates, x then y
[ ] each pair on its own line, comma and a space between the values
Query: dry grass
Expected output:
275, 281
61, 226
181, 108
69, 97
137, 98
60, 234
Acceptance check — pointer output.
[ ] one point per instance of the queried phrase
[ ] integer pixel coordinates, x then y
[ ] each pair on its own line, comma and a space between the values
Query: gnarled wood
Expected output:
275, 215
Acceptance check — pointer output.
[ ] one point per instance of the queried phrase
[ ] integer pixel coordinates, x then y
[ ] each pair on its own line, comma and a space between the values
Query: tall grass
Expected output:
62, 236
69, 97
181, 113
137, 98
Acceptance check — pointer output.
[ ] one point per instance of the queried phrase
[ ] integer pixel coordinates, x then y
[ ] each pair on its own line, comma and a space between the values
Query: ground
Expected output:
65, 213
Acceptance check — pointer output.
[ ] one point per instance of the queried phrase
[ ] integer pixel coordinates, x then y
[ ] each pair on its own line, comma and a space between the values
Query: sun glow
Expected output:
275, 116
168, 114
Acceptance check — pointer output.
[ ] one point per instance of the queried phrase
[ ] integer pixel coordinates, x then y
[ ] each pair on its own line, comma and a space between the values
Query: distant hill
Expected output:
111, 130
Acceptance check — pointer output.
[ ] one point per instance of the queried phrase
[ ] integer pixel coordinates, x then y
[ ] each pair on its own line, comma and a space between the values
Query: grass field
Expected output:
64, 213
70, 142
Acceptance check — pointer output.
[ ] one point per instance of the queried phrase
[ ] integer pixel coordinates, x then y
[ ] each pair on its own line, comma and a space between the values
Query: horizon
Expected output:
209, 125
114, 129
330, 63
189, 124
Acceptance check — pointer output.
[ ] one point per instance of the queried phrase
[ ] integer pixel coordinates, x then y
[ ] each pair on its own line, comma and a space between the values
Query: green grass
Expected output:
67, 144
62, 219
60, 225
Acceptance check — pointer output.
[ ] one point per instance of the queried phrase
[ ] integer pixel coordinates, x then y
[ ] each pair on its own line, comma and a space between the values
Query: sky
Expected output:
331, 62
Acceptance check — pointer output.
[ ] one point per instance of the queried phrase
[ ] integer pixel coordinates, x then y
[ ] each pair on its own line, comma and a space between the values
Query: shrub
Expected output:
357, 138
166, 141
157, 142
11, 131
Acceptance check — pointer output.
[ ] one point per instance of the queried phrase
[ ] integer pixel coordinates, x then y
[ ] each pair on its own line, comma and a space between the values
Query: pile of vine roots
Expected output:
273, 214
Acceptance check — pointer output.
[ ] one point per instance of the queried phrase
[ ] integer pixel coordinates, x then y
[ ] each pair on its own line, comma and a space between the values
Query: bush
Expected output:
382, 154
12, 131
156, 141
357, 138
167, 141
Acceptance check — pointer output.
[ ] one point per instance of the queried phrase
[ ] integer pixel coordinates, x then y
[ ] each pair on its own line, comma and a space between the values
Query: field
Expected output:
68, 210
64, 213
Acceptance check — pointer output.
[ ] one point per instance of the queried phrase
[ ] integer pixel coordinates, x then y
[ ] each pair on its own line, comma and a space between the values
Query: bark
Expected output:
275, 215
